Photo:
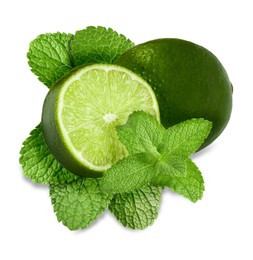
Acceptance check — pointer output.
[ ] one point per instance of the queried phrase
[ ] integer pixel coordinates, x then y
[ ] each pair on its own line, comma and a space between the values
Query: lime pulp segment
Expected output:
91, 103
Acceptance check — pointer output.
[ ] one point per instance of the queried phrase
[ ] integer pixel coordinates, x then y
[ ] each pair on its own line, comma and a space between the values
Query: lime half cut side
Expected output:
81, 110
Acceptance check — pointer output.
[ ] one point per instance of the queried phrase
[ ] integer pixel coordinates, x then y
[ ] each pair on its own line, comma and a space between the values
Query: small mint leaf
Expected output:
137, 209
190, 186
48, 57
185, 138
141, 133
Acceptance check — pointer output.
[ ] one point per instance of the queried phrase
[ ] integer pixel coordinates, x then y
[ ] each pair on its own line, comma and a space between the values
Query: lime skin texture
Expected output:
189, 81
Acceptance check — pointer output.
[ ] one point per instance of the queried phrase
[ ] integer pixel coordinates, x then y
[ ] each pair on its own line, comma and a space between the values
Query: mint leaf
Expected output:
78, 203
99, 45
49, 58
38, 163
142, 133
191, 186
185, 138
137, 209
128, 174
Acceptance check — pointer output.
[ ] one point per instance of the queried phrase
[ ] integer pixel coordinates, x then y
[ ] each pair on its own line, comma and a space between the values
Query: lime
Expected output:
81, 110
188, 80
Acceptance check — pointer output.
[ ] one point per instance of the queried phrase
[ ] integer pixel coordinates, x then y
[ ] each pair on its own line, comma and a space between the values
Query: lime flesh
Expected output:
81, 111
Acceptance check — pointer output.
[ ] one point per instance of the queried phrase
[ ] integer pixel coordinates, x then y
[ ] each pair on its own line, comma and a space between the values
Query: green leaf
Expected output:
137, 209
99, 45
78, 203
141, 133
39, 164
128, 174
48, 57
191, 186
185, 138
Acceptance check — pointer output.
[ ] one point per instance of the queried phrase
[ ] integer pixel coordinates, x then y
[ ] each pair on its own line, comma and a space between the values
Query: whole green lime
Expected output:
188, 80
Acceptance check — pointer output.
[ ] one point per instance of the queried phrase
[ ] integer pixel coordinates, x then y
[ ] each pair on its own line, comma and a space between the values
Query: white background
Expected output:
220, 226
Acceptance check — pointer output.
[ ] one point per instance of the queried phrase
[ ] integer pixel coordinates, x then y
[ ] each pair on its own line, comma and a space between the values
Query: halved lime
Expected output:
81, 110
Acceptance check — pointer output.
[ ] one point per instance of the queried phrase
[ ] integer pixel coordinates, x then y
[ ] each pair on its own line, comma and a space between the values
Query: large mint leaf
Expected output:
98, 45
48, 57
137, 209
79, 203
39, 164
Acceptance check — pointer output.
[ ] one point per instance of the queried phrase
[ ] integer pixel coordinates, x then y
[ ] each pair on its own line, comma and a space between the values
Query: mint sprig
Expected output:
162, 157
